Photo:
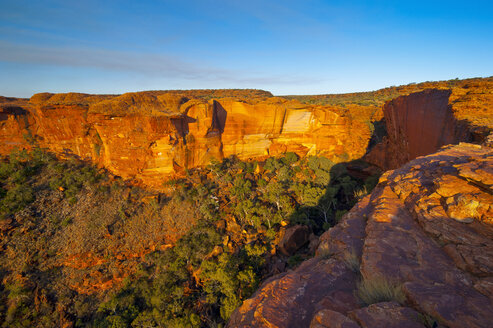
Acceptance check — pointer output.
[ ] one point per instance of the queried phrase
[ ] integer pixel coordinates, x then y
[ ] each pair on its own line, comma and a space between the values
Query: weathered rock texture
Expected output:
149, 135
427, 227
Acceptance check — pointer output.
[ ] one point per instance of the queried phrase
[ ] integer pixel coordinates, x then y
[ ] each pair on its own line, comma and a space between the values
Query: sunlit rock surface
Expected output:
150, 135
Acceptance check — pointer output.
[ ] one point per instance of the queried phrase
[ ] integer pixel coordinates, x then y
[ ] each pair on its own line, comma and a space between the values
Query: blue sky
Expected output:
286, 47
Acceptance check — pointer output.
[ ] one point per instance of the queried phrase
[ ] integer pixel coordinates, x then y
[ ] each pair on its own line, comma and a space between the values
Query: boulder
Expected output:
293, 238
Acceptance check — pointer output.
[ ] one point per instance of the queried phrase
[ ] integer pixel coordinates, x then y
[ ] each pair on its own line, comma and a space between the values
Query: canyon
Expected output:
416, 252
425, 230
149, 136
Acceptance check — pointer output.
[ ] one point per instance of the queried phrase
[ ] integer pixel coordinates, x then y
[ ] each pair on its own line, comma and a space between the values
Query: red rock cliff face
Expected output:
13, 127
417, 124
149, 136
427, 229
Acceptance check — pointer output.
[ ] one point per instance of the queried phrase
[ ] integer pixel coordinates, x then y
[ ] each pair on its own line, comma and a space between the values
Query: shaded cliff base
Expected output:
415, 253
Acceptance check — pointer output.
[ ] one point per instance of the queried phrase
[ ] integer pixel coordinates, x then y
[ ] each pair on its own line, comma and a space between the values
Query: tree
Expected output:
327, 203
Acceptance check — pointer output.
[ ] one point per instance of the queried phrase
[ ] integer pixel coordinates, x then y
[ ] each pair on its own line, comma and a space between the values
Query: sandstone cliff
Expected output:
149, 135
426, 232
423, 120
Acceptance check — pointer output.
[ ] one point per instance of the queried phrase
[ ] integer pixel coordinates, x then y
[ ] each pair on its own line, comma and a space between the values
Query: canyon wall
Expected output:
149, 136
417, 124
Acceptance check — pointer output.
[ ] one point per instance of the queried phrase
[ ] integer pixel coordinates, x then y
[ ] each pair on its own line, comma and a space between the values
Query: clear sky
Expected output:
286, 47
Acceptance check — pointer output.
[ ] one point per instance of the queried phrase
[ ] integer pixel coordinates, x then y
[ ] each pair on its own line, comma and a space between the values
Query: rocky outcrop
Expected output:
149, 135
417, 124
425, 234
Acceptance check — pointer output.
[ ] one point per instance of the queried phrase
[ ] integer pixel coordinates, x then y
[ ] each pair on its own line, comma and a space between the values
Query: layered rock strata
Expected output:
150, 135
426, 230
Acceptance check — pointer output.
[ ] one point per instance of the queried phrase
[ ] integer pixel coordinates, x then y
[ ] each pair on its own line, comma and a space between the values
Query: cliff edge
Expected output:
417, 252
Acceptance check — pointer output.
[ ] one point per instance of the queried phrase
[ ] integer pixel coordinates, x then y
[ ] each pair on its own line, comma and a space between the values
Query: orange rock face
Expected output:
149, 135
13, 125
427, 229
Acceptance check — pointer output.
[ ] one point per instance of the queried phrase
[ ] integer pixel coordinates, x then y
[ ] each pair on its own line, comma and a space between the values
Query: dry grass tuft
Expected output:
379, 289
324, 251
360, 193
352, 261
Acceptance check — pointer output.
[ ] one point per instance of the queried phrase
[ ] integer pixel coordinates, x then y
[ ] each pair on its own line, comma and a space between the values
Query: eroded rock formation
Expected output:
426, 229
149, 135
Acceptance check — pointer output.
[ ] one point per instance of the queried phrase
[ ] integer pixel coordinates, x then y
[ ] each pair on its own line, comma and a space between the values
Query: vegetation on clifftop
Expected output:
379, 97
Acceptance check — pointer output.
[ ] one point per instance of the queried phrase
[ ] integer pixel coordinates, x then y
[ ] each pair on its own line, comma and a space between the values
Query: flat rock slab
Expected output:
387, 314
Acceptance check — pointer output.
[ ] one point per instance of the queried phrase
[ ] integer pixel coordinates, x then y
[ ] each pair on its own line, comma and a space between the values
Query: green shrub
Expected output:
371, 182
16, 198
71, 177
65, 222
339, 215
290, 158
294, 260
233, 208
